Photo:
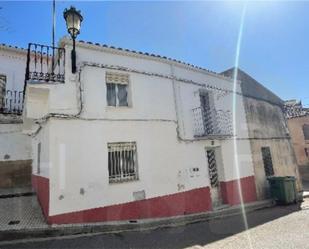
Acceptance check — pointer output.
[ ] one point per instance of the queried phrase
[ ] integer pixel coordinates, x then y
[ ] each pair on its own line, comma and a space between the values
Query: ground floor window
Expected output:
267, 160
122, 162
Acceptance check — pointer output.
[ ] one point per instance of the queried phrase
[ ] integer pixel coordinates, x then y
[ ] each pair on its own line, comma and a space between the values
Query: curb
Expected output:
16, 195
124, 226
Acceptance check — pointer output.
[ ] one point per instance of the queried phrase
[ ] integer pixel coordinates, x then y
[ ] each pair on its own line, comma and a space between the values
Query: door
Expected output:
213, 177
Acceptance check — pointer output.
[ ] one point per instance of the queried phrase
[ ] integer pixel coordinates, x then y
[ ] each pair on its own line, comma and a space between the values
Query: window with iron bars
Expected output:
122, 162
2, 90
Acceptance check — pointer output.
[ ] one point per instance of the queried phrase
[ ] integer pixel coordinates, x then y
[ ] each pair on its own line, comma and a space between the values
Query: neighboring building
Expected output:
15, 153
298, 123
134, 135
272, 151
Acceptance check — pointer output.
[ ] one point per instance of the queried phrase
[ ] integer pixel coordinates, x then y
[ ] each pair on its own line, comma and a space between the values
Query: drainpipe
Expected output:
176, 103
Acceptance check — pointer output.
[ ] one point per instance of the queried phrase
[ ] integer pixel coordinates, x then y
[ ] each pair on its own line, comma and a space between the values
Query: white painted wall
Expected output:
76, 149
13, 142
13, 65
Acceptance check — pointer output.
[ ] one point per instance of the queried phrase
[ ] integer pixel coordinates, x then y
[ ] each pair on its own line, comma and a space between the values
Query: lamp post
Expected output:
73, 19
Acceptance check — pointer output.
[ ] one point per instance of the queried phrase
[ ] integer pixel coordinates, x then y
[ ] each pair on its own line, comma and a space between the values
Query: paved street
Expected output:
278, 227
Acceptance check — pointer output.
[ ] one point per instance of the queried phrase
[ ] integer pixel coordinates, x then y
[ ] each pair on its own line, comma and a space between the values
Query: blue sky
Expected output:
275, 42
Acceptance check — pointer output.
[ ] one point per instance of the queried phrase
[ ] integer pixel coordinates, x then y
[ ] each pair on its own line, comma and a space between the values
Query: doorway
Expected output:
212, 155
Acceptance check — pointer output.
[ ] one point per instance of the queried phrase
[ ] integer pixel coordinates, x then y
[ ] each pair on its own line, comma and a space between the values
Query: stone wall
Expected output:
15, 173
299, 143
267, 128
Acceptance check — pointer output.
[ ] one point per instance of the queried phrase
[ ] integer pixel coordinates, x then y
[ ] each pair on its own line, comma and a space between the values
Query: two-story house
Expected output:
134, 135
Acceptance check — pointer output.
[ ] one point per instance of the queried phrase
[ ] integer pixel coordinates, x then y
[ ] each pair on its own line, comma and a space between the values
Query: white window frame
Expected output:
117, 79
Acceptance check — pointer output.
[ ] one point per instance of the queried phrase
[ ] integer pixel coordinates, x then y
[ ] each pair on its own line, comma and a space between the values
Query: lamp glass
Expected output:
73, 21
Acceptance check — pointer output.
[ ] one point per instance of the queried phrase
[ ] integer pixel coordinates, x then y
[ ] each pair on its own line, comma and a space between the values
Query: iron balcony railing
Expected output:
12, 102
211, 122
45, 64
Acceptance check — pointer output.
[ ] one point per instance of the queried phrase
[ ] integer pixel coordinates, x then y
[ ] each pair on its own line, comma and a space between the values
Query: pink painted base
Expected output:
188, 202
230, 191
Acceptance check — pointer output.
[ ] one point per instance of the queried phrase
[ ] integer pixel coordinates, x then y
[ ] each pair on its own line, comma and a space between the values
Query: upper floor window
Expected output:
306, 131
117, 89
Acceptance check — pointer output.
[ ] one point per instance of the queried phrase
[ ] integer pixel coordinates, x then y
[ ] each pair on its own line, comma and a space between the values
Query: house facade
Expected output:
133, 135
298, 124
270, 141
15, 153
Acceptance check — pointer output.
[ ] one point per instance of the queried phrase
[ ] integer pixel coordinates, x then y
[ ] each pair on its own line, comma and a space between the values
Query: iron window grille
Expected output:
117, 89
11, 101
267, 160
122, 162
2, 90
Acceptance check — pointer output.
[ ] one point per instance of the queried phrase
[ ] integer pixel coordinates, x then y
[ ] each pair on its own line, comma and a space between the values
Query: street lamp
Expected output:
73, 19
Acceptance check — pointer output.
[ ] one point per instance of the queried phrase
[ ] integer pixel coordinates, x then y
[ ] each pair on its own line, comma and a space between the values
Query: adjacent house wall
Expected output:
15, 153
298, 139
267, 128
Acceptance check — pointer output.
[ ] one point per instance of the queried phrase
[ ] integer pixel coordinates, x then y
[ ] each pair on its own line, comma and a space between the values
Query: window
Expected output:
122, 162
2, 90
306, 131
117, 89
39, 158
307, 152
267, 160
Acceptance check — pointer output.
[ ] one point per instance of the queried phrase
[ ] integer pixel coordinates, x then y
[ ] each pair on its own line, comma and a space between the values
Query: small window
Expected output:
39, 158
117, 89
122, 162
306, 131
267, 160
2, 90
307, 152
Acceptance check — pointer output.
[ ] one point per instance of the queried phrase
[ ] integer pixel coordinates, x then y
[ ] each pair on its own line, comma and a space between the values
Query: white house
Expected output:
15, 152
133, 135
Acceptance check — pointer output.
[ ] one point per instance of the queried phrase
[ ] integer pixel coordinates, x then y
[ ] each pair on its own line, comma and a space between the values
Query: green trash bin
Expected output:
283, 189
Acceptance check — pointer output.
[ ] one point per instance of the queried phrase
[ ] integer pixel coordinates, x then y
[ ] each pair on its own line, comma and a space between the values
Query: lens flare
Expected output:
236, 161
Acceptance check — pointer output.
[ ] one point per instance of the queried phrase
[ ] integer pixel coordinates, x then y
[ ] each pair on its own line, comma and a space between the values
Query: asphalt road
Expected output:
277, 227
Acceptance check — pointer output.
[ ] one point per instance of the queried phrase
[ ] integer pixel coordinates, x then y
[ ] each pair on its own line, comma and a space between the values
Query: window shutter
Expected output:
117, 78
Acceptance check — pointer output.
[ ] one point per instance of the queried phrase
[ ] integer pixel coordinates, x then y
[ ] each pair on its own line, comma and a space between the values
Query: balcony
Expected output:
45, 64
212, 123
12, 102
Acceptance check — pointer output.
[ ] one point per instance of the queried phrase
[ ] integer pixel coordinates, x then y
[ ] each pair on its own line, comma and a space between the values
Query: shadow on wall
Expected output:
15, 174
304, 174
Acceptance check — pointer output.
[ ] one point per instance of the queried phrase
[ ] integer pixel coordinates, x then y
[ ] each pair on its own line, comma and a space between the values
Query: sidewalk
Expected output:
21, 218
11, 192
